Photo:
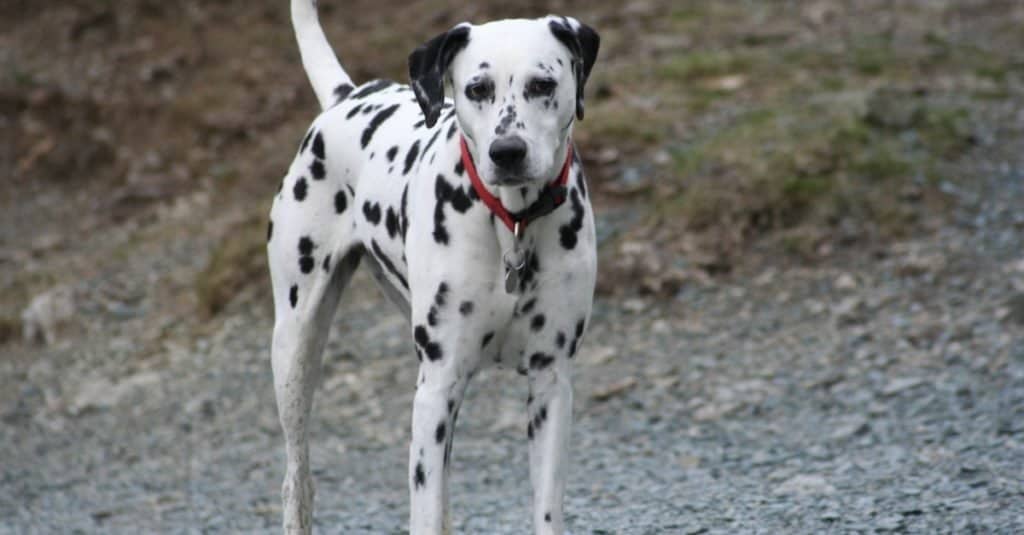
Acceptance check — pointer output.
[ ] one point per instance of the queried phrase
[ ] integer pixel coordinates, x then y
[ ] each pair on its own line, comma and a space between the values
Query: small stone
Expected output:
804, 485
856, 425
614, 389
895, 386
850, 311
1014, 312
48, 315
845, 281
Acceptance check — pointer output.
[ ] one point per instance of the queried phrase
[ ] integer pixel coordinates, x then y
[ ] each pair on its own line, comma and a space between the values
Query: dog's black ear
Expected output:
583, 42
428, 65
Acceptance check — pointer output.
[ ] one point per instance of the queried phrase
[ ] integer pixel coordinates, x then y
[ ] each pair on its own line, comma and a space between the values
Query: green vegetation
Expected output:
800, 127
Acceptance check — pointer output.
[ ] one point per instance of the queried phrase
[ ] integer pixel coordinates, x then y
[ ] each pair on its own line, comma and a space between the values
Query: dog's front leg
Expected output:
446, 335
435, 409
549, 409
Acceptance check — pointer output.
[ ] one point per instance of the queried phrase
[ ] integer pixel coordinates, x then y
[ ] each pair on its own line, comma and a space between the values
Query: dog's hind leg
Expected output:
312, 257
299, 337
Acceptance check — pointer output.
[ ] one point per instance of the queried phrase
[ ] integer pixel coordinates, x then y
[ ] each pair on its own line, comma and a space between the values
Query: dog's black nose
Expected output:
509, 152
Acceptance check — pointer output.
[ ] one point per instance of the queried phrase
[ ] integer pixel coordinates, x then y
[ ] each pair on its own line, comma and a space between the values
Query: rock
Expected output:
1014, 309
804, 485
850, 311
102, 393
895, 386
48, 315
845, 282
856, 425
614, 389
916, 264
714, 410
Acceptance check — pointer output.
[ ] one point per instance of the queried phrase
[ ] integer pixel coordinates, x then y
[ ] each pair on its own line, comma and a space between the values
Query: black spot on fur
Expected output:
341, 92
317, 170
576, 338
340, 202
487, 339
375, 123
293, 295
327, 263
539, 361
306, 262
506, 120
568, 232
547, 516
430, 143
372, 212
462, 201
392, 152
439, 433
431, 349
270, 229
528, 306
420, 478
305, 141
442, 190
352, 113
537, 323
441, 297
404, 216
560, 339
581, 181
459, 168
387, 263
299, 190
527, 278
466, 308
529, 430
419, 124
410, 157
318, 145
451, 131
371, 88
391, 223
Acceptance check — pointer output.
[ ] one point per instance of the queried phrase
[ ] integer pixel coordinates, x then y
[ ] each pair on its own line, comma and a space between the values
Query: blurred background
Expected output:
811, 287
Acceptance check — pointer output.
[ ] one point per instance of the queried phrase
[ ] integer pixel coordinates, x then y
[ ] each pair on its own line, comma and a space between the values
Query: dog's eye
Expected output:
480, 90
541, 86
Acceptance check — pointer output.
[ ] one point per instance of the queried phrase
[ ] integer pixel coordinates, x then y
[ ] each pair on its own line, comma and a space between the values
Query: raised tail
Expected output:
330, 82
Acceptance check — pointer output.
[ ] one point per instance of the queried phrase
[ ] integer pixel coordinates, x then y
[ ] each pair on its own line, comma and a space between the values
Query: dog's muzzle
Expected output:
508, 153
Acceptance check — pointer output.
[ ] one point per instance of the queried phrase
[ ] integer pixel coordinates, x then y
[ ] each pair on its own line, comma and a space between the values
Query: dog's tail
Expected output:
330, 81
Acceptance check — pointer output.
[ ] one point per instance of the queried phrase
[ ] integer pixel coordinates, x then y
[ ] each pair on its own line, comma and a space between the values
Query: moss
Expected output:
701, 64
782, 167
239, 260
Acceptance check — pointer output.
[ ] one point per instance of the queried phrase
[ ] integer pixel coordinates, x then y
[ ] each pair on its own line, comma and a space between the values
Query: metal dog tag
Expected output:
515, 264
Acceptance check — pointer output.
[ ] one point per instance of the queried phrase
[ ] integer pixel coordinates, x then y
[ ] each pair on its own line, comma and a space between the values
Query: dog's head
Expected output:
517, 86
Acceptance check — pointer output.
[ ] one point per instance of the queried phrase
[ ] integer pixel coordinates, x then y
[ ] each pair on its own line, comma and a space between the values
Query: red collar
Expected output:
551, 197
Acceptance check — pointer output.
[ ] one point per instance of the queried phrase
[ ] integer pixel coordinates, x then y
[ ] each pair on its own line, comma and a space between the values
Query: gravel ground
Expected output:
879, 391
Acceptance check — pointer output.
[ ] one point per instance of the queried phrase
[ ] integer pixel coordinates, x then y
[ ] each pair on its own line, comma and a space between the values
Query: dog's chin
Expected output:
509, 180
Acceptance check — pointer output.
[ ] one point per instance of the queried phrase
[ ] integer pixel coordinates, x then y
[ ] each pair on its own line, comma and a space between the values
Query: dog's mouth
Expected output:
511, 181
506, 178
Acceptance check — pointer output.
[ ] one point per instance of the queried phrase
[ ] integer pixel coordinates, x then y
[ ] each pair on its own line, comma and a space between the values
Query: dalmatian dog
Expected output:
464, 195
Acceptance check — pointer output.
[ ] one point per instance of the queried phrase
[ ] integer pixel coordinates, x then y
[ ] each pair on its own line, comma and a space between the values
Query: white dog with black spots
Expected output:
473, 215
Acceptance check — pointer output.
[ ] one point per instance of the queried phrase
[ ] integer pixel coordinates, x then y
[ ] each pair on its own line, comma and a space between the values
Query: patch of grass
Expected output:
613, 124
238, 261
781, 168
701, 64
